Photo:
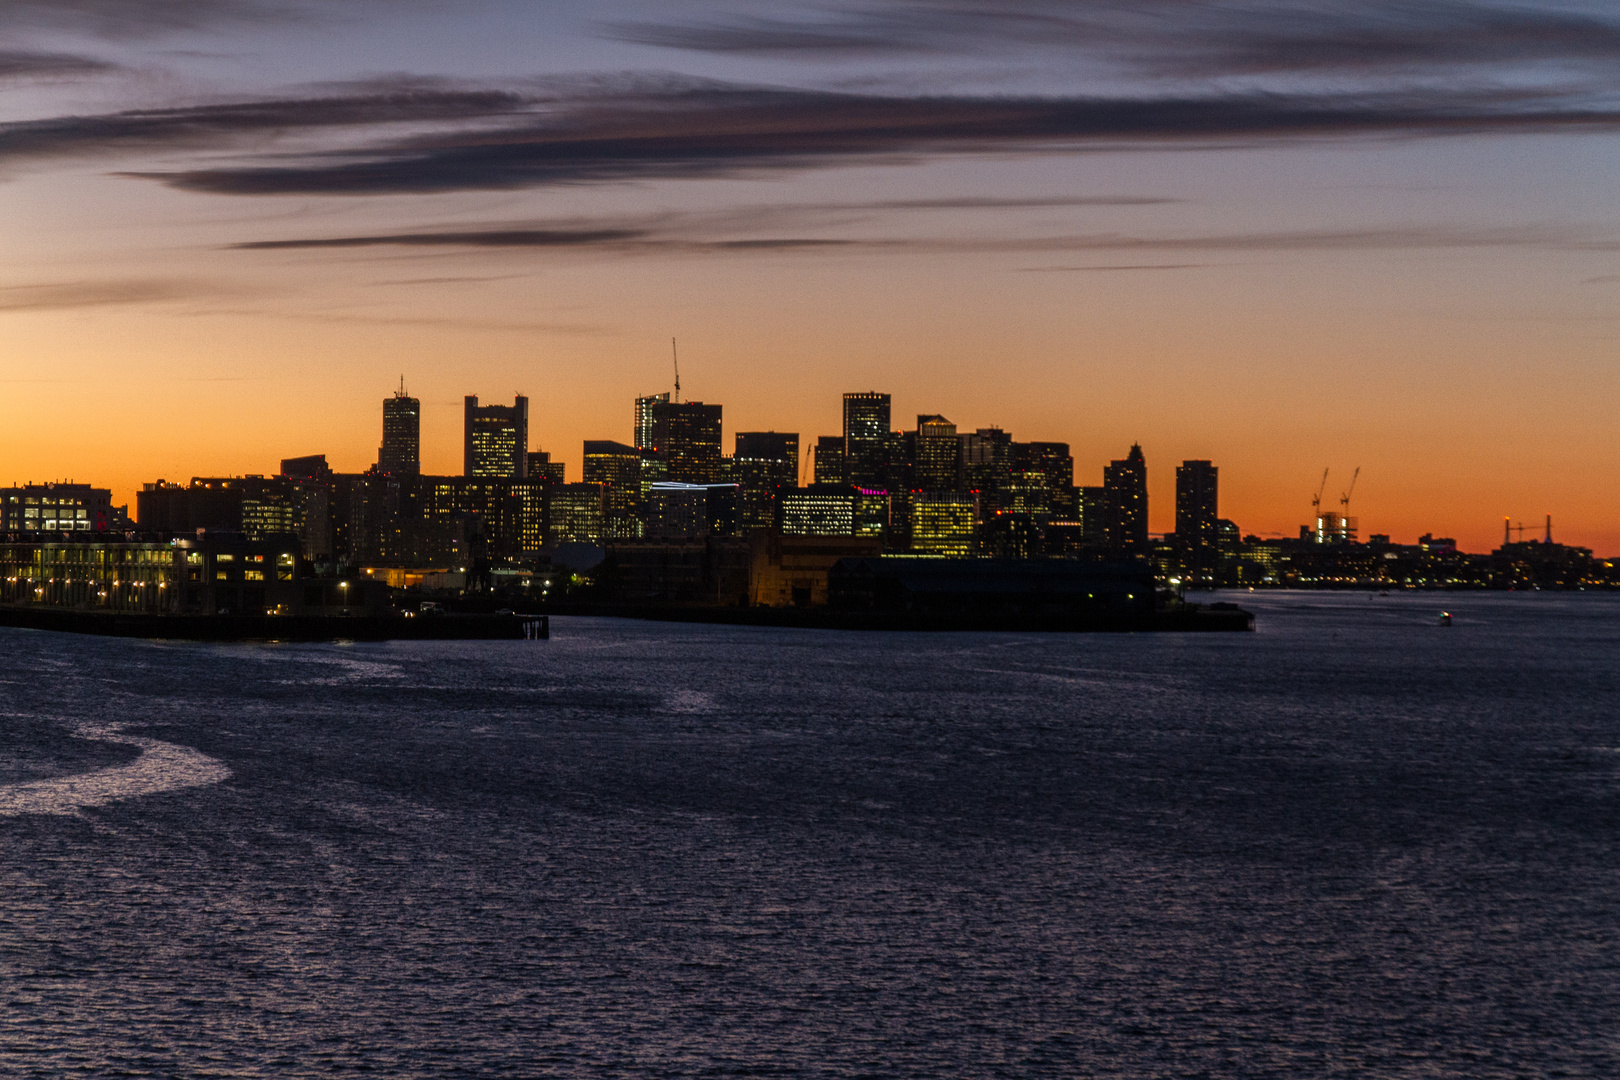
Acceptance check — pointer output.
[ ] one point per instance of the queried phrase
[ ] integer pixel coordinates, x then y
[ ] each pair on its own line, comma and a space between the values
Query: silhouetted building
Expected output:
1125, 482
1198, 520
765, 464
401, 450
309, 467
831, 464
986, 460
792, 570
1092, 510
496, 440
687, 433
543, 469
866, 439
676, 510
938, 454
57, 508
645, 434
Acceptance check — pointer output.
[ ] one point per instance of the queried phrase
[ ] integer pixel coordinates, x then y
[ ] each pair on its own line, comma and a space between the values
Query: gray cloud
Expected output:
23, 64
688, 236
142, 18
718, 130
218, 124
82, 294
1109, 268
1200, 37
532, 238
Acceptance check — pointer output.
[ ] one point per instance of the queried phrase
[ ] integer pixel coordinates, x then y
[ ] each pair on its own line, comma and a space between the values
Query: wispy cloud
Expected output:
1176, 37
23, 64
689, 236
84, 294
215, 125
682, 129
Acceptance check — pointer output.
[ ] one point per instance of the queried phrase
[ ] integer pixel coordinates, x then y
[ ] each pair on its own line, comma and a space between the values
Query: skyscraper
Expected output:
1125, 482
831, 465
688, 435
645, 438
1197, 518
401, 452
866, 434
496, 439
938, 454
617, 468
765, 464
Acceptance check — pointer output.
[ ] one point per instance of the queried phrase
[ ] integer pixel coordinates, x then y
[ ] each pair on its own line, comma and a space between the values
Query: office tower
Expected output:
944, 523
687, 433
765, 464
831, 464
1125, 482
986, 466
1197, 520
401, 452
496, 440
645, 437
1043, 472
542, 468
866, 435
617, 468
1091, 507
834, 510
938, 454
574, 514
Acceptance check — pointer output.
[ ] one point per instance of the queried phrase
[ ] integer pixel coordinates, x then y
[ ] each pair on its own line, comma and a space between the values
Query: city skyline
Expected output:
1278, 236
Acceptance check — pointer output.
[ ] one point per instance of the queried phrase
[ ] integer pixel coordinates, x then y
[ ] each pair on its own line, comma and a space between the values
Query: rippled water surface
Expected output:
1353, 843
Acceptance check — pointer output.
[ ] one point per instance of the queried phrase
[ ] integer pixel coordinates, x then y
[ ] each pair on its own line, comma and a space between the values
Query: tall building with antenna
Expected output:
401, 451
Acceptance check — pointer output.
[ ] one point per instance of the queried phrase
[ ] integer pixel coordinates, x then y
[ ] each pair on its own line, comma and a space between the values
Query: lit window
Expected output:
253, 575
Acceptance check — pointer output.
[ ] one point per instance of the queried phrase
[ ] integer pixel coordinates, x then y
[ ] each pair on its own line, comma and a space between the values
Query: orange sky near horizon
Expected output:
1441, 312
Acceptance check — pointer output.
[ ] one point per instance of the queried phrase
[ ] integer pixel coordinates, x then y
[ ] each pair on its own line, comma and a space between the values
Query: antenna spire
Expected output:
677, 357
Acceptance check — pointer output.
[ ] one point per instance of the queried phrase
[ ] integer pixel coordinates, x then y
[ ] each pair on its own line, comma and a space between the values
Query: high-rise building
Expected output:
401, 452
866, 439
831, 464
765, 464
1043, 480
987, 466
645, 438
938, 454
687, 433
1197, 519
944, 523
617, 468
496, 440
1091, 507
1125, 482
574, 513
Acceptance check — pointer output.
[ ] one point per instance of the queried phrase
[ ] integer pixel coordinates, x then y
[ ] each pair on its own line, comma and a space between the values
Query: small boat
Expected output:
1445, 618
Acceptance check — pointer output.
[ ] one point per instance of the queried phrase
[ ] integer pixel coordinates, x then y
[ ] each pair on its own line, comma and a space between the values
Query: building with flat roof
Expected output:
63, 507
944, 523
687, 433
866, 439
496, 440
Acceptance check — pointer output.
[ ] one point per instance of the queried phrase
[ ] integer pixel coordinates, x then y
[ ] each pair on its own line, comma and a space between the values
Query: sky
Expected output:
1283, 236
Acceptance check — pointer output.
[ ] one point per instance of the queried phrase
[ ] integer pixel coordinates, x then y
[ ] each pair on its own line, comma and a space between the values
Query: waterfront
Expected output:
1351, 843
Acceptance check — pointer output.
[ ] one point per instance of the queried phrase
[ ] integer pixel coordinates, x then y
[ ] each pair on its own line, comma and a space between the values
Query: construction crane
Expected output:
677, 358
1316, 500
1344, 499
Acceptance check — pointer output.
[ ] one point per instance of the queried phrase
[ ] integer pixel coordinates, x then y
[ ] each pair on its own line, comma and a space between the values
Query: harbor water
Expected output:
1356, 842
